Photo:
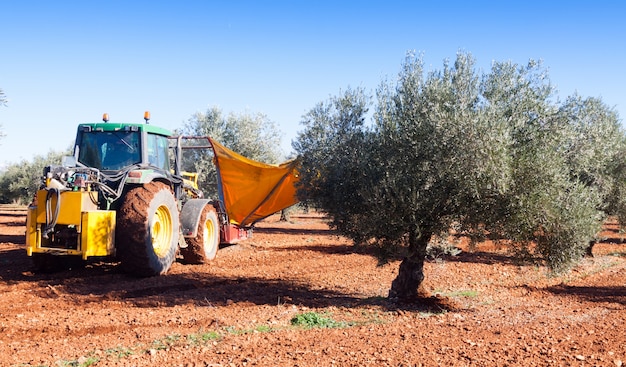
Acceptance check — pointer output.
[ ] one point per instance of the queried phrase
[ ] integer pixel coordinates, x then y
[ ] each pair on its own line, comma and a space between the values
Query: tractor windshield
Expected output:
109, 150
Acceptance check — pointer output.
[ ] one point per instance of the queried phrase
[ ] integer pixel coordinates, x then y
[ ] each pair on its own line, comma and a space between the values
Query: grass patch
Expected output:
81, 362
469, 293
258, 329
119, 352
201, 338
263, 329
310, 320
166, 342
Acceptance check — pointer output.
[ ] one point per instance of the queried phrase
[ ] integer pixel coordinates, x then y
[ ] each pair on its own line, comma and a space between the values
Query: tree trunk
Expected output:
589, 250
285, 215
407, 284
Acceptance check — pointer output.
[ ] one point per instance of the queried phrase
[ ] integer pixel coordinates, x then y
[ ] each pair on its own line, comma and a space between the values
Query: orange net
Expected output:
253, 190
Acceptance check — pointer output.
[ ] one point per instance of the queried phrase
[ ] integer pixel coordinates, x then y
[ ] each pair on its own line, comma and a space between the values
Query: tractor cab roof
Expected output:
115, 126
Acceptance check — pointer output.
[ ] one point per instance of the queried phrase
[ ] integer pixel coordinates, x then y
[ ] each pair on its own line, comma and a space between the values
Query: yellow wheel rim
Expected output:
208, 235
162, 231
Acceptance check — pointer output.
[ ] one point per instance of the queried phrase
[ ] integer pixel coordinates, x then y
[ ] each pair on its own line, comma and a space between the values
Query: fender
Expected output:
143, 176
190, 216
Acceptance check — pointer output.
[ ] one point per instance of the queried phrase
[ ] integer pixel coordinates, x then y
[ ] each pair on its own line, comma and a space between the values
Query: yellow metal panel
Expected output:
32, 236
73, 203
98, 233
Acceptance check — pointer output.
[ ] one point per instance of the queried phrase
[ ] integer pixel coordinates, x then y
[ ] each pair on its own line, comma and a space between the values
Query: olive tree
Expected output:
254, 136
594, 149
489, 154
595, 152
445, 162
550, 211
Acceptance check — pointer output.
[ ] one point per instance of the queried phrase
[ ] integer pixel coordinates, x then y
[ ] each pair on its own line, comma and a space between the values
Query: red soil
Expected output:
486, 310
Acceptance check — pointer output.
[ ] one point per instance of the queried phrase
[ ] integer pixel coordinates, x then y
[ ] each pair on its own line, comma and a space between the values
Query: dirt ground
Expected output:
238, 310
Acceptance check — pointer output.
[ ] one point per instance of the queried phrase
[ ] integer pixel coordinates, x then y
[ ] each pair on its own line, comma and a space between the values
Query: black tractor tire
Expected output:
147, 230
203, 248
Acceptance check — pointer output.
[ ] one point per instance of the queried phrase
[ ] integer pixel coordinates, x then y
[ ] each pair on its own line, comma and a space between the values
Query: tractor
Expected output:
123, 195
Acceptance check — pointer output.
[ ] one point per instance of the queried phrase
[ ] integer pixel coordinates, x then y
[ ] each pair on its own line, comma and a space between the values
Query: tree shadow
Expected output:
13, 262
208, 290
16, 214
101, 281
616, 241
608, 294
481, 257
478, 257
295, 231
15, 223
330, 249
18, 239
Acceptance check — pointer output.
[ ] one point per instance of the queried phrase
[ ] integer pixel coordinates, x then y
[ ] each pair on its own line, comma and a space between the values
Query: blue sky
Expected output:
66, 62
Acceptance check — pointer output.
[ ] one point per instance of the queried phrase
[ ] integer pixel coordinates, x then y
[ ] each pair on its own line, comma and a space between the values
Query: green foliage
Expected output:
547, 203
596, 151
20, 181
334, 139
615, 198
252, 135
491, 153
310, 320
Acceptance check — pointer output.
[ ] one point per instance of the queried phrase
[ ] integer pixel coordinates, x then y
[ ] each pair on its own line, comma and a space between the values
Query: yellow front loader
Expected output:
79, 227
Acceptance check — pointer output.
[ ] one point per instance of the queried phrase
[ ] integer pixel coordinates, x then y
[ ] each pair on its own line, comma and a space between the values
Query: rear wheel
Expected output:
147, 230
204, 246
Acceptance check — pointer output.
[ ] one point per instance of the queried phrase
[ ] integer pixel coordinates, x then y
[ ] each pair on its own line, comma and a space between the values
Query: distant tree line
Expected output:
20, 181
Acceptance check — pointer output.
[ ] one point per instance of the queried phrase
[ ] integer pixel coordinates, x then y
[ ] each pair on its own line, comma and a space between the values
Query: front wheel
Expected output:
203, 247
147, 230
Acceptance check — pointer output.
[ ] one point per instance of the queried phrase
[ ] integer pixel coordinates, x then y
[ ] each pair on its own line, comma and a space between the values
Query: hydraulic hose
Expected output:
51, 217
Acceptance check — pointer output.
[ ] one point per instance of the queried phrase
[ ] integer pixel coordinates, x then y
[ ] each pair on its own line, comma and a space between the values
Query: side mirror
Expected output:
68, 161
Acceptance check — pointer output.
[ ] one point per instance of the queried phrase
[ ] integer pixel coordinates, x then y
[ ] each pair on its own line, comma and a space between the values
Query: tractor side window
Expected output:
158, 151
